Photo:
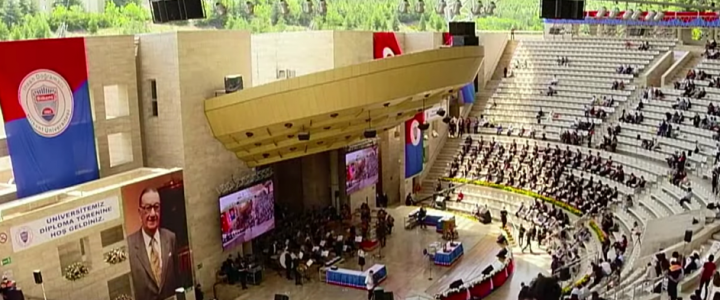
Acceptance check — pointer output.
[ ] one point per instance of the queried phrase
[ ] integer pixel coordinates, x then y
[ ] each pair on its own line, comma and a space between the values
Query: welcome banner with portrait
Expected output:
38, 232
157, 236
48, 120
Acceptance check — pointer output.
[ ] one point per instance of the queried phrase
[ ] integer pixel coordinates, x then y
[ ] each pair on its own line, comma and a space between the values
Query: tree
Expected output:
67, 3
395, 25
4, 32
422, 26
28, 7
12, 15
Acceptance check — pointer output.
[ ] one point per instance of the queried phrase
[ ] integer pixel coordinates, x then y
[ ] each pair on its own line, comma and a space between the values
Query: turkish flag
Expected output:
385, 44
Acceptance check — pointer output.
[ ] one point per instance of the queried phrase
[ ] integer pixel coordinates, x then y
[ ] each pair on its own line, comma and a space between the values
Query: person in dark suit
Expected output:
152, 252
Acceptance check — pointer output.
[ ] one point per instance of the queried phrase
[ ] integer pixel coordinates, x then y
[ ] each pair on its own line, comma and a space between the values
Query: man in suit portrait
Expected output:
152, 252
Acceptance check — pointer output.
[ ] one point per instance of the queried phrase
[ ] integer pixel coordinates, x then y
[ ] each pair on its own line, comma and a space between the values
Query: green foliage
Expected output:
21, 19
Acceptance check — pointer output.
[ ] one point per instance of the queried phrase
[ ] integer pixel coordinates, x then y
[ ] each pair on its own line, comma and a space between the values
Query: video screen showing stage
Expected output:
361, 169
246, 214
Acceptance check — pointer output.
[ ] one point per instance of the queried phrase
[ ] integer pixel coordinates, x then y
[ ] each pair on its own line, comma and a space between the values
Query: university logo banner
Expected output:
385, 44
414, 145
48, 121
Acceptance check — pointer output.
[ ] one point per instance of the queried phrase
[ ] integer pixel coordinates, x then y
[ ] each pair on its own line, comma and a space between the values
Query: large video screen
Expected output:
361, 169
246, 214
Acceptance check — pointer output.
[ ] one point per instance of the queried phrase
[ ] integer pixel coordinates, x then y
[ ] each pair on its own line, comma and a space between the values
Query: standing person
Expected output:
361, 258
674, 276
708, 271
296, 269
381, 232
370, 283
503, 217
521, 234
243, 273
505, 72
512, 33
528, 239
390, 223
199, 295
421, 217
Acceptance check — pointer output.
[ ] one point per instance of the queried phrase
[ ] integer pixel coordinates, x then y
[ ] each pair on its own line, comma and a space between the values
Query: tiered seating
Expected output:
591, 70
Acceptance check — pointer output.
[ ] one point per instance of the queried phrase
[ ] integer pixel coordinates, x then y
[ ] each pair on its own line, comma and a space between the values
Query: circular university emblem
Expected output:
47, 100
416, 133
387, 52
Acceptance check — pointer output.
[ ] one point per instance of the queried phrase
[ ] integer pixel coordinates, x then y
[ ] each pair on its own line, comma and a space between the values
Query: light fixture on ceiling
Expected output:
308, 7
283, 6
403, 6
613, 13
250, 8
420, 7
636, 15
370, 133
490, 10
457, 6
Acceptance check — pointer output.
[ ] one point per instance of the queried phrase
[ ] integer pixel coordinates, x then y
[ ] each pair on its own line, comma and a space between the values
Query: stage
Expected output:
407, 269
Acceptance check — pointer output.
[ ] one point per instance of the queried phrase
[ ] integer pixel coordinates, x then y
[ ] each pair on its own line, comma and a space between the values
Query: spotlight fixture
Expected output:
490, 10
659, 16
477, 8
249, 8
370, 133
613, 13
628, 14
420, 7
322, 7
440, 7
636, 15
601, 13
220, 9
283, 6
403, 6
650, 15
303, 136
457, 6
307, 7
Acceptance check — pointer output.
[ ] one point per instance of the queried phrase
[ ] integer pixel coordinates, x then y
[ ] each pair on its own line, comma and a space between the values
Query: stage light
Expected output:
613, 13
420, 7
307, 7
440, 7
636, 15
284, 9
628, 14
659, 16
457, 6
403, 6
601, 13
322, 7
249, 8
650, 15
477, 8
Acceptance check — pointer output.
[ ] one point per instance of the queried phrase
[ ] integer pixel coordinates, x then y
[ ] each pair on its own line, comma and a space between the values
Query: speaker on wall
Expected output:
572, 9
550, 9
164, 11
38, 277
462, 28
688, 236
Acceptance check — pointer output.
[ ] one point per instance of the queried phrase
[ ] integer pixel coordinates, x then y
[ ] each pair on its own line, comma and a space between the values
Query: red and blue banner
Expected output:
48, 120
414, 145
669, 19
385, 44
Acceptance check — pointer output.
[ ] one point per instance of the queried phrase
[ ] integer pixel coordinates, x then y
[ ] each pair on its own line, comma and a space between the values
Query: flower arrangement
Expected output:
76, 271
123, 297
115, 256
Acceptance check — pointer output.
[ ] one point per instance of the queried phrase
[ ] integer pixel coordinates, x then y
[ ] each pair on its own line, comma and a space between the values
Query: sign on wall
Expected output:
56, 226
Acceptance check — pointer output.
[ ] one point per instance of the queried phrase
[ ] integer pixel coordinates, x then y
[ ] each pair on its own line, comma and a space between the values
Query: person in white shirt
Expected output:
370, 283
606, 267
361, 258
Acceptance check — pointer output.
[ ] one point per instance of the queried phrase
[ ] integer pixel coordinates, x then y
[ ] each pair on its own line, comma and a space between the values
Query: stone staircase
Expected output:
505, 59
696, 58
451, 147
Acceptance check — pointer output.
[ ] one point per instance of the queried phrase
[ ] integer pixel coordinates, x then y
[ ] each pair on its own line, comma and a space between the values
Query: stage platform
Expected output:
408, 270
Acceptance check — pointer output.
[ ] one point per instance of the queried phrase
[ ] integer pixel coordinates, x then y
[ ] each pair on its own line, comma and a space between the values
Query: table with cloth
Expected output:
354, 278
432, 218
447, 257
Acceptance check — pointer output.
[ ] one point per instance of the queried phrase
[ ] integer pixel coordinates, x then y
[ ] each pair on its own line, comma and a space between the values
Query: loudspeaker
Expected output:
572, 10
38, 277
164, 11
462, 28
465, 40
488, 270
233, 83
688, 236
303, 136
281, 297
180, 294
550, 9
456, 284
